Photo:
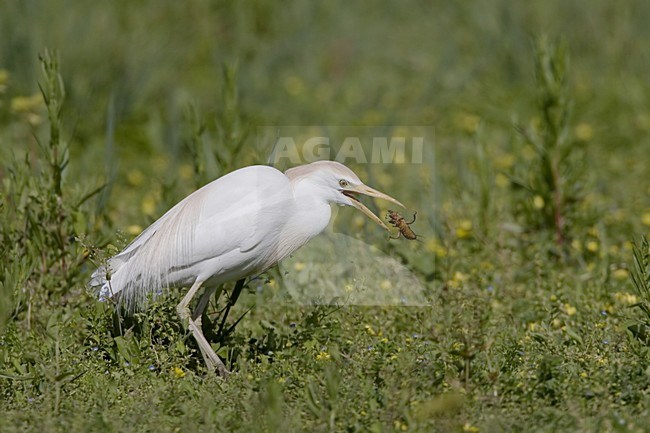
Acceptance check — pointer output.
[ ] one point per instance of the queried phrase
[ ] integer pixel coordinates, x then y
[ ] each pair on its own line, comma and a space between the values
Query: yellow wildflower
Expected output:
135, 177
576, 245
570, 309
626, 298
501, 180
538, 202
470, 428
178, 372
323, 356
528, 152
434, 246
25, 104
620, 274
148, 205
134, 229
459, 276
592, 246
299, 266
399, 425
645, 219
464, 229
185, 171
504, 162
584, 132
457, 280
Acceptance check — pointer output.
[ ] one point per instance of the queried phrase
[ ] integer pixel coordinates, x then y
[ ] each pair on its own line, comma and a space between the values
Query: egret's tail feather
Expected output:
101, 281
146, 266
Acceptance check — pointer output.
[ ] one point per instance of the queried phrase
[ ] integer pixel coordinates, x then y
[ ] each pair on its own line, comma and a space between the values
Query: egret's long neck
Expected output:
313, 211
309, 215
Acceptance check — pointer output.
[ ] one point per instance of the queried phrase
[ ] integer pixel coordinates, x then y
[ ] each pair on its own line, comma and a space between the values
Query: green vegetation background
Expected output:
530, 323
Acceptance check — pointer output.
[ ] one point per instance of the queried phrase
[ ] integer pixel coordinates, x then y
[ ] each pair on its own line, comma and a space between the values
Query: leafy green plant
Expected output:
41, 217
641, 280
549, 185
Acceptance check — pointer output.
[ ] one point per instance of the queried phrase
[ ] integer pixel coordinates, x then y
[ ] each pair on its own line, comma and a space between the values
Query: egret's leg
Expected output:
212, 361
232, 300
203, 302
183, 308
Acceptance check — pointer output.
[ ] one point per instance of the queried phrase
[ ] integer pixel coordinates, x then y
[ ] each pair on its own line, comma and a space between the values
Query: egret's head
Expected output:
338, 184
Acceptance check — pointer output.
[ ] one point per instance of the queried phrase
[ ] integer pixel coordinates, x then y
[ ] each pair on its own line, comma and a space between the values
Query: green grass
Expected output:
532, 275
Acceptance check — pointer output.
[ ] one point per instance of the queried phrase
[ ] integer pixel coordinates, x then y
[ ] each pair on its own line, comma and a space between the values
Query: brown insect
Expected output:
404, 228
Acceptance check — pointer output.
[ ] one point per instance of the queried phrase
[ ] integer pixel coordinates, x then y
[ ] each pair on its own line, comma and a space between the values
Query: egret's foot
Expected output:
211, 359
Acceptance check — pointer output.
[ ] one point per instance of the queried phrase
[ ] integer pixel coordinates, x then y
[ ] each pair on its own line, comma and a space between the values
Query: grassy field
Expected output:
528, 294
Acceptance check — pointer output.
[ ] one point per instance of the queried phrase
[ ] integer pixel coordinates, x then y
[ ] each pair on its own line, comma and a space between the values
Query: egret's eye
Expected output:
344, 183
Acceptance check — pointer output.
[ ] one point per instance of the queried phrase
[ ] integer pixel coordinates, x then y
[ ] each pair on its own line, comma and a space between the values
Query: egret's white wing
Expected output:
245, 214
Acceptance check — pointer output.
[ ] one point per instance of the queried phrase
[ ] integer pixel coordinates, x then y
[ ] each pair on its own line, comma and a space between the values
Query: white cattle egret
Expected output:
235, 227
